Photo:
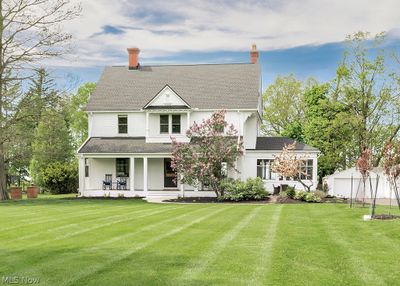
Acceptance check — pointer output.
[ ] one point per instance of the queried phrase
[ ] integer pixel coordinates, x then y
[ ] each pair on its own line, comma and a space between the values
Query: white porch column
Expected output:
145, 188
82, 175
315, 171
187, 120
147, 124
132, 174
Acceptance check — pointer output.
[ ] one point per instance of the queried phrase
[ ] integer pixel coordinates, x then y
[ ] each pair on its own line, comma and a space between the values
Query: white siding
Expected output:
106, 124
250, 132
249, 169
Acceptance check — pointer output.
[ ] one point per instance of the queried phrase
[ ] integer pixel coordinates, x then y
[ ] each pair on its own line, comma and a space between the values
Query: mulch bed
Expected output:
213, 200
386, 216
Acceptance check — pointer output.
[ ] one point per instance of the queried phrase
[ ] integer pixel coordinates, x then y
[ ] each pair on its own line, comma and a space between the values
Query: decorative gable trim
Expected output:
167, 97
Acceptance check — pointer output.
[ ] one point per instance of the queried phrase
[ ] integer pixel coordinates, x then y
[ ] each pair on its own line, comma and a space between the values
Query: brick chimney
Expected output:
253, 54
133, 58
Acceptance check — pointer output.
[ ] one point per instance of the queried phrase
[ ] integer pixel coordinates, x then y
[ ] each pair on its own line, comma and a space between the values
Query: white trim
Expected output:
147, 125
83, 144
253, 151
120, 155
132, 173
161, 92
82, 175
195, 109
145, 176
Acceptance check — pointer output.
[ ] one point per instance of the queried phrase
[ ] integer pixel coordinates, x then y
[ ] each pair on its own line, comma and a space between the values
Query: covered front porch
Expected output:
131, 176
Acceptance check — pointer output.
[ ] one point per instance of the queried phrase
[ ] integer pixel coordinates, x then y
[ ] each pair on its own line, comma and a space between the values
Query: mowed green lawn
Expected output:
130, 242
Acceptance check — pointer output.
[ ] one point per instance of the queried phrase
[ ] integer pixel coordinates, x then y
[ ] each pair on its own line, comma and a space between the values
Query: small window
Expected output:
176, 124
86, 167
122, 124
164, 124
122, 167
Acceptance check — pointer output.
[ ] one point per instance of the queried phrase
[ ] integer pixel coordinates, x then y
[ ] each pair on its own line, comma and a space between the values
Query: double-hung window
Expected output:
170, 124
122, 124
164, 124
176, 124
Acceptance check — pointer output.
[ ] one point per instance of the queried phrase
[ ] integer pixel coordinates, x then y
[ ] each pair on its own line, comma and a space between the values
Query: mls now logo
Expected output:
20, 280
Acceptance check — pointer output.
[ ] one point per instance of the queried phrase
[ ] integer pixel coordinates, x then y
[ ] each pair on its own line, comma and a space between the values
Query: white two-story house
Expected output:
136, 109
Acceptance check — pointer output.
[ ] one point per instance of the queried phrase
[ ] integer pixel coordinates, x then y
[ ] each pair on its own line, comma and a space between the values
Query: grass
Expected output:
130, 242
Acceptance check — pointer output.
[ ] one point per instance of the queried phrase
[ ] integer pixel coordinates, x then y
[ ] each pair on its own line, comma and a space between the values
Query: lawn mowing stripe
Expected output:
102, 218
262, 266
360, 268
146, 228
138, 230
121, 256
56, 218
68, 235
52, 217
200, 264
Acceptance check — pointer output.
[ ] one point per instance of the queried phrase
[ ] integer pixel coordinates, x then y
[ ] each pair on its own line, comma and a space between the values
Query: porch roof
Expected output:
106, 145
277, 143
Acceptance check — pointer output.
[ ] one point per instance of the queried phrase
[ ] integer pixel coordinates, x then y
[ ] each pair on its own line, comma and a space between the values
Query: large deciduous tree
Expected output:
52, 143
77, 116
284, 107
364, 85
30, 30
213, 150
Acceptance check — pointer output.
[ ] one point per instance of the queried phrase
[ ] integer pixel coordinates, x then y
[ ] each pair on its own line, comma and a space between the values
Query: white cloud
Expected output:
161, 28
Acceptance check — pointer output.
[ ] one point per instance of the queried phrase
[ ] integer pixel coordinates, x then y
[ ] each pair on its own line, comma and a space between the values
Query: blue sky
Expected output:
300, 38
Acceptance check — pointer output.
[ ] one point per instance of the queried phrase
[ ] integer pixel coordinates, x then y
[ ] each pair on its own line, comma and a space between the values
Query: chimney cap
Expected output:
133, 50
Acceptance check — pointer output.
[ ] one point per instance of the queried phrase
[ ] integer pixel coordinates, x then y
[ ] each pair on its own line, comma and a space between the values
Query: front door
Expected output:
169, 174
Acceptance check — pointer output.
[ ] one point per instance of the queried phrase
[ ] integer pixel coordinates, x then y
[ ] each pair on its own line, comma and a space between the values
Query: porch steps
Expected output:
154, 196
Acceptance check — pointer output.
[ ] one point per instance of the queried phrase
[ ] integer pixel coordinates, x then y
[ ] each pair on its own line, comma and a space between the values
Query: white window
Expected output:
122, 124
170, 124
264, 169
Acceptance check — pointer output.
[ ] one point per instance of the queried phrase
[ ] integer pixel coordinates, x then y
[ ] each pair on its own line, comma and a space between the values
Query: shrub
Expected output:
312, 198
61, 178
236, 190
320, 194
301, 195
290, 192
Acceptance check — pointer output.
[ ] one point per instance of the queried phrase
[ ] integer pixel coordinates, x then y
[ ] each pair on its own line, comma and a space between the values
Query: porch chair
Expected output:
277, 189
121, 183
107, 182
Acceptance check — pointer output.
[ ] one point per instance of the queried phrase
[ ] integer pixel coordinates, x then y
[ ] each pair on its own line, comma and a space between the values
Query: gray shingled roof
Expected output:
123, 145
277, 143
204, 86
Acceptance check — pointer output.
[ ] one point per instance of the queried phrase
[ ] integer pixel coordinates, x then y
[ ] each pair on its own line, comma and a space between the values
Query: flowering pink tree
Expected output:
391, 166
213, 149
364, 166
291, 165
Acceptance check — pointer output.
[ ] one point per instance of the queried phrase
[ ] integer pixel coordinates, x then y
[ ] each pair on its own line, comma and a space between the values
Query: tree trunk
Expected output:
3, 175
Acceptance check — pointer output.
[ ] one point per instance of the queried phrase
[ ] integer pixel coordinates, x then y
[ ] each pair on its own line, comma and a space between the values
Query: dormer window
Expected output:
170, 124
122, 124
